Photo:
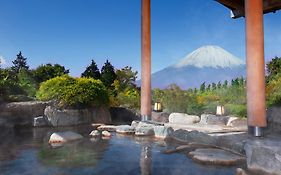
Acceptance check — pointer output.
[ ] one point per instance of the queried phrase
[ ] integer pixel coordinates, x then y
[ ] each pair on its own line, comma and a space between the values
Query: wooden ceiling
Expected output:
237, 6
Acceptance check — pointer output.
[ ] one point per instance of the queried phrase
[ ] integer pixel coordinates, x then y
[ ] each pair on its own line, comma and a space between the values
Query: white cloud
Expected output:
2, 60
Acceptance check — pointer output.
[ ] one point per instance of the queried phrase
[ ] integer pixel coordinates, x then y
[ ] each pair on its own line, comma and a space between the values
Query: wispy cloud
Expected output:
2, 60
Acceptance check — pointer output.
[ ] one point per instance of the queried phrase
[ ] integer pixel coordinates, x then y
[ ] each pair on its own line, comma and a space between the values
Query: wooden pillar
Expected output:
255, 64
145, 60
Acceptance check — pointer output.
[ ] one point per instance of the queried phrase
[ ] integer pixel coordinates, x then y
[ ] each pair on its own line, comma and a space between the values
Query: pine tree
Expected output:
208, 87
202, 87
92, 71
19, 63
214, 86
219, 85
225, 84
107, 74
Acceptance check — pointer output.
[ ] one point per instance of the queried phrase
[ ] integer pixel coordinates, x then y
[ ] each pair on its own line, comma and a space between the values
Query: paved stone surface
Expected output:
206, 128
110, 128
215, 156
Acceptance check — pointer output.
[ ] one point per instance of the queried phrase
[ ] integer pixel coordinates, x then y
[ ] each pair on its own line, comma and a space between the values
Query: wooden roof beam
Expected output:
238, 10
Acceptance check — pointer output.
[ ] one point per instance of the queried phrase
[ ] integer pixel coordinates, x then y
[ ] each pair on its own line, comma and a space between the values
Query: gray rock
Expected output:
135, 123
70, 117
106, 134
160, 117
144, 129
125, 129
215, 156
182, 118
40, 121
95, 133
240, 171
193, 136
264, 155
64, 136
209, 119
21, 113
163, 131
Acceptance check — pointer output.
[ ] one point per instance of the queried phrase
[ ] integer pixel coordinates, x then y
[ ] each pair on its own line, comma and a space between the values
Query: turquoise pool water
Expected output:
27, 152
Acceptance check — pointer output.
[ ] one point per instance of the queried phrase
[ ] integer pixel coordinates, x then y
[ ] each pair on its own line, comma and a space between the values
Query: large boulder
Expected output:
21, 113
181, 118
264, 155
160, 117
144, 129
70, 117
58, 137
162, 131
215, 156
209, 119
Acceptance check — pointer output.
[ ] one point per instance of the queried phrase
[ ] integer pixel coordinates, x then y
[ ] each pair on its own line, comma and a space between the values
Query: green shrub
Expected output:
130, 98
236, 109
74, 93
273, 91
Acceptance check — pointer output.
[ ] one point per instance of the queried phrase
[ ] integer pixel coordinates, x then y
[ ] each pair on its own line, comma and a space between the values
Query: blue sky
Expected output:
72, 32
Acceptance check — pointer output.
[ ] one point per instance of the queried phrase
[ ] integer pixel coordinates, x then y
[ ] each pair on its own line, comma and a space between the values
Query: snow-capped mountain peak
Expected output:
210, 56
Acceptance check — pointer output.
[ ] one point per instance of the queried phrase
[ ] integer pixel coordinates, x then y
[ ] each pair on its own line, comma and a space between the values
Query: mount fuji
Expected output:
209, 64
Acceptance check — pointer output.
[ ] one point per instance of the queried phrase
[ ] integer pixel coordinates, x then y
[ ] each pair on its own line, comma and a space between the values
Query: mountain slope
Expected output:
209, 64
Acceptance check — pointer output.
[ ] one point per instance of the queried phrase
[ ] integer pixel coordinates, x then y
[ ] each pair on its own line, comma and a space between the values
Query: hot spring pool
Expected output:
27, 152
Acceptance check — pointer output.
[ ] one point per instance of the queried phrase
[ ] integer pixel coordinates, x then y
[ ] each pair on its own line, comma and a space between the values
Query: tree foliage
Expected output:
19, 63
107, 74
126, 77
273, 67
92, 71
48, 71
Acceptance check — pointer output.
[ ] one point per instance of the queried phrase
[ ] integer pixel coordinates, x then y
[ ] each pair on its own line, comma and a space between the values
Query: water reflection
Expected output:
146, 160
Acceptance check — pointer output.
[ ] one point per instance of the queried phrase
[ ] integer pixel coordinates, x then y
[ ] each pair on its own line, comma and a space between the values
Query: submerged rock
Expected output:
64, 137
95, 133
182, 118
215, 156
125, 129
